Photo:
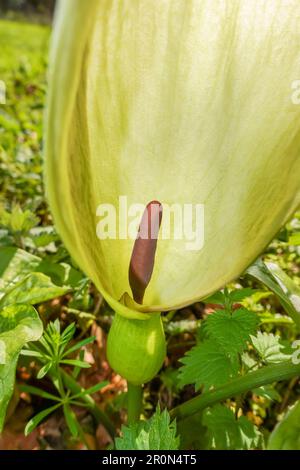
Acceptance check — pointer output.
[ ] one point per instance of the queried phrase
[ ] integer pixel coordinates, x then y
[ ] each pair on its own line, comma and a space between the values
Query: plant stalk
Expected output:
134, 402
258, 378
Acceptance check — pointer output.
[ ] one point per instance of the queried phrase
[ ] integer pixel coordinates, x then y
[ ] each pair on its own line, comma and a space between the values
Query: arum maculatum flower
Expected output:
171, 102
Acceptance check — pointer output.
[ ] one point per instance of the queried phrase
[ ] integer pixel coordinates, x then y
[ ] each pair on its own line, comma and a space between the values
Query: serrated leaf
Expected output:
250, 436
270, 348
19, 324
281, 284
158, 433
225, 432
33, 289
231, 330
207, 364
286, 435
192, 433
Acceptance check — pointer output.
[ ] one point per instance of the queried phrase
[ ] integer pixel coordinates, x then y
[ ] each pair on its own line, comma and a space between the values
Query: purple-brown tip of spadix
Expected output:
143, 253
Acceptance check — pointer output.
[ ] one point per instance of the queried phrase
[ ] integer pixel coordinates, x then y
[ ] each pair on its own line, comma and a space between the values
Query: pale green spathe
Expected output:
181, 101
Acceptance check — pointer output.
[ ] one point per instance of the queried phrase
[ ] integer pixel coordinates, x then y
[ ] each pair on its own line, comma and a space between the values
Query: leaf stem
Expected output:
134, 402
258, 378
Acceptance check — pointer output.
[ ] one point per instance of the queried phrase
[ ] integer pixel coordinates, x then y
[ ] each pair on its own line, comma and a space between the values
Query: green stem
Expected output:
134, 402
252, 380
98, 414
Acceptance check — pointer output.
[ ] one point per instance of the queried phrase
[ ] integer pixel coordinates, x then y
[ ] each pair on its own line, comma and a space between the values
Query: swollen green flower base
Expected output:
136, 348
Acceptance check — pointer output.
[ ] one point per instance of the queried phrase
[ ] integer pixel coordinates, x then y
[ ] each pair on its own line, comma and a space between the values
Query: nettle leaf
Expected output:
215, 360
158, 433
286, 435
33, 289
231, 330
281, 284
19, 324
225, 432
270, 348
14, 265
207, 364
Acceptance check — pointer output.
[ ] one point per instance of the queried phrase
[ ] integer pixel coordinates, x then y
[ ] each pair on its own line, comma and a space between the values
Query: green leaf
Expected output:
270, 348
158, 433
15, 264
19, 324
71, 420
76, 370
32, 424
61, 274
76, 363
38, 391
216, 298
32, 353
192, 433
44, 370
90, 391
33, 289
209, 365
225, 432
79, 345
238, 295
281, 284
286, 435
231, 330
